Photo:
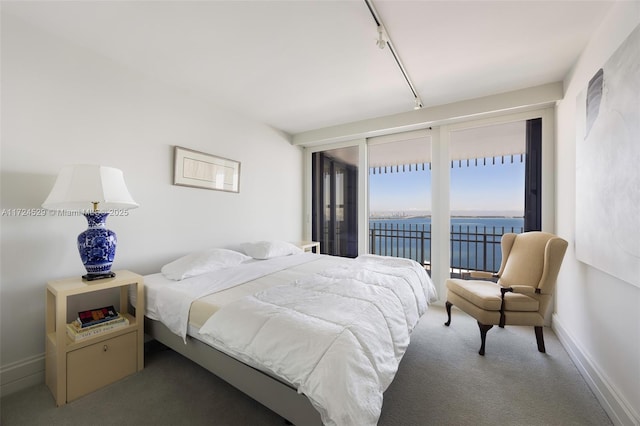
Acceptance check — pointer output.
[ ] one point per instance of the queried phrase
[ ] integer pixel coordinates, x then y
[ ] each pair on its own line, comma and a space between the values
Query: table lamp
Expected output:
95, 191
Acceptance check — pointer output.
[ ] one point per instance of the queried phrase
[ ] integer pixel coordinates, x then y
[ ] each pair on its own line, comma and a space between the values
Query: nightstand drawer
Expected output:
95, 366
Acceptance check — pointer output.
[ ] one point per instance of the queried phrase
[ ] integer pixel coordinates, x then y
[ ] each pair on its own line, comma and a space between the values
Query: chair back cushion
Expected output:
533, 260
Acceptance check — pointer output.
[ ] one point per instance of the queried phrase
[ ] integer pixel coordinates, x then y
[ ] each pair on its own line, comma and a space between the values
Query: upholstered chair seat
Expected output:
524, 289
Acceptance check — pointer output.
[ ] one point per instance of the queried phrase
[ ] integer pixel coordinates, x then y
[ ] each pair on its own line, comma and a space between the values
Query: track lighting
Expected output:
385, 41
381, 43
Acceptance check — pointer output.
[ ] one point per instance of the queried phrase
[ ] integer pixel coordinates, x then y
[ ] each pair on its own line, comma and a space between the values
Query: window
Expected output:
400, 198
494, 189
335, 201
331, 224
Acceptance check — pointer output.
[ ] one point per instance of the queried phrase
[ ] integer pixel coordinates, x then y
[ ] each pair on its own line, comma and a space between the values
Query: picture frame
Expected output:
201, 170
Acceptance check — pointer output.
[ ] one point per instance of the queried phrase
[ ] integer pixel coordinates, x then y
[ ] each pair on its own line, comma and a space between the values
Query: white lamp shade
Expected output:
78, 186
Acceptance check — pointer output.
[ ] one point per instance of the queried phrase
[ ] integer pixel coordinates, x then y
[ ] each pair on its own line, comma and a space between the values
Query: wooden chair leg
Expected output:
483, 335
540, 339
448, 306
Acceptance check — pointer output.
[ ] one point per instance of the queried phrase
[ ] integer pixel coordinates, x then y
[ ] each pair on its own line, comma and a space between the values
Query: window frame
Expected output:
440, 219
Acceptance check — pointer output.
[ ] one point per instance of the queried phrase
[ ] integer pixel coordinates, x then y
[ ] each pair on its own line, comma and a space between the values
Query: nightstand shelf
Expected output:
309, 246
74, 369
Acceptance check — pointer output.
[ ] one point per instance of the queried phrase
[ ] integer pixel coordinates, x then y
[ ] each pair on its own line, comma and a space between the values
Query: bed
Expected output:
315, 338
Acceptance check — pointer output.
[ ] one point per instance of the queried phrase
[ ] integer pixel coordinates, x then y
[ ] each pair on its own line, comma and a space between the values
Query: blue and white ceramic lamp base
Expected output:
97, 247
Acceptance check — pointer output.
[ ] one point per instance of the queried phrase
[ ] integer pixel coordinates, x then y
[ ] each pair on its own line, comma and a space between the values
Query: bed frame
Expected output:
267, 390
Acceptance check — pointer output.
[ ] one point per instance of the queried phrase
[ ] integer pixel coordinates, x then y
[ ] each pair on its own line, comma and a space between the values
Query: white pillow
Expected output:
270, 249
202, 262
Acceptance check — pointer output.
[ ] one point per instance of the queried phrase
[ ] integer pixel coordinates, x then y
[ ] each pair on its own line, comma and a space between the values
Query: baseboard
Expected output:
21, 374
618, 409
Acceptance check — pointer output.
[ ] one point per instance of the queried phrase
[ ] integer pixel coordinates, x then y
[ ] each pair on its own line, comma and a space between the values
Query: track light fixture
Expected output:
385, 41
381, 42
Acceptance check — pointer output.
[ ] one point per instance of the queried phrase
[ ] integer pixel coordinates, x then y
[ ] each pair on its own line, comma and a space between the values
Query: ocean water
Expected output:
493, 222
475, 241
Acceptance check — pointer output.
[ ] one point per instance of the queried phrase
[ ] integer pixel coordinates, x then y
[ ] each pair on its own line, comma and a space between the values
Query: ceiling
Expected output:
309, 64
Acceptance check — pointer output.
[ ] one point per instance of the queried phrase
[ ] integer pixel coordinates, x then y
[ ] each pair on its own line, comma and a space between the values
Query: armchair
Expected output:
524, 289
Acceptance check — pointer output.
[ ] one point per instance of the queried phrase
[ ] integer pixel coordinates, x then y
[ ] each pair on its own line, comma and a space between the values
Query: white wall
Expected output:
62, 104
597, 316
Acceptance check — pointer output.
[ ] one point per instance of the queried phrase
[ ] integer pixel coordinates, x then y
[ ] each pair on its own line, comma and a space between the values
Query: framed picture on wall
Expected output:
201, 170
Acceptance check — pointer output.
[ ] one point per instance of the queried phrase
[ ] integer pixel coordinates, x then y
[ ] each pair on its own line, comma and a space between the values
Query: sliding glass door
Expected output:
335, 201
400, 196
495, 188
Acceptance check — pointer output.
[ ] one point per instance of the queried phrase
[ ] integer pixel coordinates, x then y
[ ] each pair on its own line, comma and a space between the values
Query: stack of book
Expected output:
95, 321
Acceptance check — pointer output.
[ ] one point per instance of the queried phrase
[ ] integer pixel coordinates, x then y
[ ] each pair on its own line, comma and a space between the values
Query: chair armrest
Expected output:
482, 275
524, 289
503, 291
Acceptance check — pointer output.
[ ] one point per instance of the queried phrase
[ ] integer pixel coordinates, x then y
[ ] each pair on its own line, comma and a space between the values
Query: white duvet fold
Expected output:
338, 336
173, 302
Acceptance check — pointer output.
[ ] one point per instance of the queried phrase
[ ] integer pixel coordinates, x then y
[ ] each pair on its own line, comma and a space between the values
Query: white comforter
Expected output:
171, 301
338, 336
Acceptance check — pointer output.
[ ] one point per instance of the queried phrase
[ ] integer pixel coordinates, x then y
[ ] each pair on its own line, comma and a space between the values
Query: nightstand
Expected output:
74, 369
309, 246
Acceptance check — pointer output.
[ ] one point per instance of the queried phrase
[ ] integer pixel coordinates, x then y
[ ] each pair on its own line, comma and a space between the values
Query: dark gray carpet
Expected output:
441, 381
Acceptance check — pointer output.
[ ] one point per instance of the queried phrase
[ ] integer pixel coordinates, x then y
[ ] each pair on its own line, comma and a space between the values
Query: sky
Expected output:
483, 188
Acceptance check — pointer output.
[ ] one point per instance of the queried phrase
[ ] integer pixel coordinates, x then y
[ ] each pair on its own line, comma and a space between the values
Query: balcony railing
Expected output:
412, 241
472, 247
